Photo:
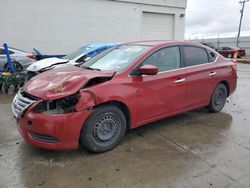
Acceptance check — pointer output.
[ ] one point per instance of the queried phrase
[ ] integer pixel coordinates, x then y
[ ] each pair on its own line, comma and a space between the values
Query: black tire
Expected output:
6, 88
104, 129
218, 99
17, 66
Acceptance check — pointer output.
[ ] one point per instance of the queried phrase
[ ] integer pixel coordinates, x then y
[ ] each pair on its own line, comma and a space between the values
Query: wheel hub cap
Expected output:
105, 128
219, 97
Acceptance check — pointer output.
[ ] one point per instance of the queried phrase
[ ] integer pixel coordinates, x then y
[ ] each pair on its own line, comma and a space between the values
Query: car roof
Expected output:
158, 43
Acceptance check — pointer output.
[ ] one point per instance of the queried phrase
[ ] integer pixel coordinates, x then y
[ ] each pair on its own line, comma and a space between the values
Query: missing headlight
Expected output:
60, 106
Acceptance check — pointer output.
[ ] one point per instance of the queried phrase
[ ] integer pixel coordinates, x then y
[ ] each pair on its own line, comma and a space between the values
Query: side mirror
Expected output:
148, 70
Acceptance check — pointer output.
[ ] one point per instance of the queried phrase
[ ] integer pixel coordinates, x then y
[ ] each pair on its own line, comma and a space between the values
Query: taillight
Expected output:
31, 56
234, 62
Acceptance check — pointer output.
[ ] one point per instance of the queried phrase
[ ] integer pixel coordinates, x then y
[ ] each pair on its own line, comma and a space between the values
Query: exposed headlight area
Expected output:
60, 106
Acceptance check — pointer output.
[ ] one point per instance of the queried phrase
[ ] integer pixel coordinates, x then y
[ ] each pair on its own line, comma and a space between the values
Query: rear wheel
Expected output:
104, 129
218, 99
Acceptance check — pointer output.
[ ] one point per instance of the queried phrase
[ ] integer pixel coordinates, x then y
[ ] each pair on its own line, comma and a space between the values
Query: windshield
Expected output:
76, 53
116, 59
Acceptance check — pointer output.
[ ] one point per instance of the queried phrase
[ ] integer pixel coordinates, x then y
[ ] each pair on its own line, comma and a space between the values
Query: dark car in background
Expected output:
230, 51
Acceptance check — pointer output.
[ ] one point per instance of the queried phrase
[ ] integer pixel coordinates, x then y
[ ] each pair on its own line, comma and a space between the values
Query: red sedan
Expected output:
122, 88
229, 52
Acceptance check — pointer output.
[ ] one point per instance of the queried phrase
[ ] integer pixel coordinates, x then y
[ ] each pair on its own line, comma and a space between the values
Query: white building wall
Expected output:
60, 26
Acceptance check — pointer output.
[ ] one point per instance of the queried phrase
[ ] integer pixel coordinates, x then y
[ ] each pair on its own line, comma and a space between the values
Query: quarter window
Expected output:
194, 56
165, 59
212, 55
2, 52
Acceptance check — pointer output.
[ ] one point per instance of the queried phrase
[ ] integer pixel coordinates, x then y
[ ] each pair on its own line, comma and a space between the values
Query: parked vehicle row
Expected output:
79, 56
124, 87
227, 51
36, 62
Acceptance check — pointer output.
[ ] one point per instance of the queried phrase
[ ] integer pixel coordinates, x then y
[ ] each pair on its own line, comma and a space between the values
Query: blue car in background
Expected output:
79, 56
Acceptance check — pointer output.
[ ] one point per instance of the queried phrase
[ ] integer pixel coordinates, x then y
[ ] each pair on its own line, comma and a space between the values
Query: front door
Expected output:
162, 94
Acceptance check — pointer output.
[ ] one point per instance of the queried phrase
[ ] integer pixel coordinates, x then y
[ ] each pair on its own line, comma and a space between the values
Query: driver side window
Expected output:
165, 59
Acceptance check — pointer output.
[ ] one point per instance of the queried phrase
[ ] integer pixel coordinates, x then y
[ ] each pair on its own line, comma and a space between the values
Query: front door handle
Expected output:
212, 73
180, 80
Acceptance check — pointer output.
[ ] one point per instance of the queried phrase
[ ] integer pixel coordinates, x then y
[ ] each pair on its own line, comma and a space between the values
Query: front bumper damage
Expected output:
49, 131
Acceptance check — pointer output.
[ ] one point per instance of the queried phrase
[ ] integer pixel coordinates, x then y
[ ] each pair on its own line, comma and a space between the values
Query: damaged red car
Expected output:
120, 89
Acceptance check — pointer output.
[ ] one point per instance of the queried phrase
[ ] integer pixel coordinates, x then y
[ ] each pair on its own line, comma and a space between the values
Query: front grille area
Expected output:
21, 102
44, 138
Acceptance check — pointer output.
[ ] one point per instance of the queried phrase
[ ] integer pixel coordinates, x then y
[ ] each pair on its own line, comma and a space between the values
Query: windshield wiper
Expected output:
90, 68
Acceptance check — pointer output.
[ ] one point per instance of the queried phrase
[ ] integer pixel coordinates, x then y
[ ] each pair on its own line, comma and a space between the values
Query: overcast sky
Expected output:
207, 17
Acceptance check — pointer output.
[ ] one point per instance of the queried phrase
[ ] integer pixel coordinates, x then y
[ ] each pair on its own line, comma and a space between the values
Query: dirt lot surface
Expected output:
195, 149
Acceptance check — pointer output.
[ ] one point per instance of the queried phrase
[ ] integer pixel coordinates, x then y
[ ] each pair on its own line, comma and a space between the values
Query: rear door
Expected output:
201, 75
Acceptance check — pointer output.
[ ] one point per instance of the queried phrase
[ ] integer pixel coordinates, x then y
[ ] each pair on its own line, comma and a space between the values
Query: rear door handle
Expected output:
180, 80
212, 73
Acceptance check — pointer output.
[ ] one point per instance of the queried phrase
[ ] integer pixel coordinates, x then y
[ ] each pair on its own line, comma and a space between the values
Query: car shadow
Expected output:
162, 140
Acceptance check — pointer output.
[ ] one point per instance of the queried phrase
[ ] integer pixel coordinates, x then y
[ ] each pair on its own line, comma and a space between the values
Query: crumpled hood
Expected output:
44, 63
61, 82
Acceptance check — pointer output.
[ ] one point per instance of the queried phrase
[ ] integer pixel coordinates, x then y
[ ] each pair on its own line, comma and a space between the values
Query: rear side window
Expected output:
2, 51
212, 55
165, 59
194, 56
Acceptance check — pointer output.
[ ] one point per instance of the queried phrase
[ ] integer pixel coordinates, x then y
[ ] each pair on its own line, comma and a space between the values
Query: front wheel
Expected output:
218, 99
17, 66
104, 129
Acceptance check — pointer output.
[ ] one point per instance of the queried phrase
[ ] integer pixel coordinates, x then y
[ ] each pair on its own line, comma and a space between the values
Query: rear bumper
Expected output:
233, 83
53, 132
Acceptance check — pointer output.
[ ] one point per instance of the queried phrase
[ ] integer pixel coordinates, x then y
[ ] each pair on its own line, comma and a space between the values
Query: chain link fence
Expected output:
244, 42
